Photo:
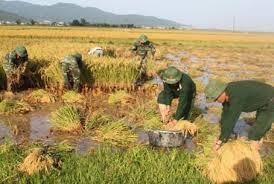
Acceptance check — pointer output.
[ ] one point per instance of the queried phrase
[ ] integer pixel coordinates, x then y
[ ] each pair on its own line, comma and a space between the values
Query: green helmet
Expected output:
78, 56
171, 75
214, 89
21, 51
143, 38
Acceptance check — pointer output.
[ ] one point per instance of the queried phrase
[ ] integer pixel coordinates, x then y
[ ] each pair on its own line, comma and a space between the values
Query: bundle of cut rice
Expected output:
40, 96
185, 126
73, 97
36, 161
236, 161
121, 97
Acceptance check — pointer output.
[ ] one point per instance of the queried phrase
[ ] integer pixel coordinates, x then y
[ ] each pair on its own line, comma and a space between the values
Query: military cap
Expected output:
21, 51
143, 38
171, 75
214, 89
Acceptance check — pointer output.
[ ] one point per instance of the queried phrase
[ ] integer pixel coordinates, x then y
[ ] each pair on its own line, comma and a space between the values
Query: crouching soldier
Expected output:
71, 65
96, 51
14, 65
243, 96
176, 85
141, 48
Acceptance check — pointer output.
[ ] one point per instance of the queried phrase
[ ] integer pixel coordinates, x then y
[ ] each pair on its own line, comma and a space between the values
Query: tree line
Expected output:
83, 22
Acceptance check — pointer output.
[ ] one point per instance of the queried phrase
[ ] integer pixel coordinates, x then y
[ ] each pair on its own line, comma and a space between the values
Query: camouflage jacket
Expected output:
11, 63
72, 62
143, 49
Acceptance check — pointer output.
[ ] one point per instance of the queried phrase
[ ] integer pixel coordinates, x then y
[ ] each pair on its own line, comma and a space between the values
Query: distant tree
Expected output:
75, 22
54, 23
32, 22
18, 21
83, 22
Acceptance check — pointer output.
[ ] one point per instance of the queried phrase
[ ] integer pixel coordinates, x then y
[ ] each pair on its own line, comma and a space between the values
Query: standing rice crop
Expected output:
53, 75
114, 73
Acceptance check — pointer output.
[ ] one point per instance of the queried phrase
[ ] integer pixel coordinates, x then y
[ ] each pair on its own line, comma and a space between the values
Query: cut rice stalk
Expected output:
35, 162
72, 97
116, 133
236, 161
41, 96
120, 97
66, 119
185, 126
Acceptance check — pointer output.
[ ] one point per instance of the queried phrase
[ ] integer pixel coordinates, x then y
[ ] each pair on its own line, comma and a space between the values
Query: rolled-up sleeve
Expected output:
166, 96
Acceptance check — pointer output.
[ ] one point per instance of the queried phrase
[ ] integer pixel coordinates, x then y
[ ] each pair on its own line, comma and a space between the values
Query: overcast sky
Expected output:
256, 15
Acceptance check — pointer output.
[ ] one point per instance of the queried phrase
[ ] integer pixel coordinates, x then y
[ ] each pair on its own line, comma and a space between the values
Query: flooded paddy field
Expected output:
100, 153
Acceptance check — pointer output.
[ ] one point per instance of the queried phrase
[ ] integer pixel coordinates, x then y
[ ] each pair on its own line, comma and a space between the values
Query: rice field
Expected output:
110, 110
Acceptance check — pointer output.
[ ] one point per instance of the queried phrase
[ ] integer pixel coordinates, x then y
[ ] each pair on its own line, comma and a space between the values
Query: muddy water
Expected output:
35, 127
39, 126
4, 133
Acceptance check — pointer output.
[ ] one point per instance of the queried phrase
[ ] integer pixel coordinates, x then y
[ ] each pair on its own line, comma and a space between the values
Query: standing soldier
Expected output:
71, 65
243, 96
141, 48
14, 65
176, 85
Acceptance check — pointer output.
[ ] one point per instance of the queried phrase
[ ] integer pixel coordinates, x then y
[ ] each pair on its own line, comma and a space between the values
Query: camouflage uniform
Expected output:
141, 48
14, 65
71, 70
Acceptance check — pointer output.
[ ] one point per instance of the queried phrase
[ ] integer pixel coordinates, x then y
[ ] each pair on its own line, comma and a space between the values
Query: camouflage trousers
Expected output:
142, 69
71, 73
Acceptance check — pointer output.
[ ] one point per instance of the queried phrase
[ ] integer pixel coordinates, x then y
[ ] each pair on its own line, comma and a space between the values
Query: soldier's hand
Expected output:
217, 144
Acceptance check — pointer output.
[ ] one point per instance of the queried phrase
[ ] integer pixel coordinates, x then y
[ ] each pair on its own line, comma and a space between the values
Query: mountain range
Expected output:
7, 16
66, 12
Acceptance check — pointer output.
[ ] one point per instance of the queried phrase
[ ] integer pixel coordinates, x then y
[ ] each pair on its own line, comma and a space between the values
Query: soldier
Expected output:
71, 65
243, 96
96, 51
176, 85
14, 65
141, 48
